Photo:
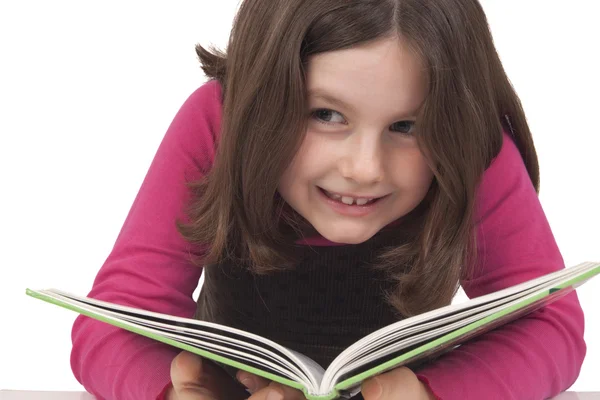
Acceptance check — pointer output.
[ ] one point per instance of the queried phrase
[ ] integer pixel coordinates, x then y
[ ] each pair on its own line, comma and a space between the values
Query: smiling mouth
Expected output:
350, 201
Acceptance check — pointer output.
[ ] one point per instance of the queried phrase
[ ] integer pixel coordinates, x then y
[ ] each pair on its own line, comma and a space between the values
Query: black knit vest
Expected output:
332, 298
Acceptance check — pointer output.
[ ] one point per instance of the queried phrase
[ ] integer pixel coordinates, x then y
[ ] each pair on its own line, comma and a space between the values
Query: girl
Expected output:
350, 163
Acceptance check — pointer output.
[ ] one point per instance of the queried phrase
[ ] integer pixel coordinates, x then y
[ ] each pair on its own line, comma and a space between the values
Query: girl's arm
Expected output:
149, 266
541, 354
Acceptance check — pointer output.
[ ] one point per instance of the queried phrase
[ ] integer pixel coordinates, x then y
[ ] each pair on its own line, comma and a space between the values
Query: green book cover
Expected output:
411, 342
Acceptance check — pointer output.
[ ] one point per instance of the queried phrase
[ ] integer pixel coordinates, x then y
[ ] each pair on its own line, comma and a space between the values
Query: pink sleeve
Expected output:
541, 354
149, 266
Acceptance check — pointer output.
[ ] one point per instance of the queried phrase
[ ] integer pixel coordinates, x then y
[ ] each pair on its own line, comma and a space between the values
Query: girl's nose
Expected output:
362, 159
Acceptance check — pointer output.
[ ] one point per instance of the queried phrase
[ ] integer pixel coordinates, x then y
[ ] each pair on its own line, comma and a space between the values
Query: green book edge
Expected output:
352, 381
347, 383
183, 346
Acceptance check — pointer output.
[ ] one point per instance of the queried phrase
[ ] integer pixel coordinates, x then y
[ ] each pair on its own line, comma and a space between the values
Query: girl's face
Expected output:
359, 167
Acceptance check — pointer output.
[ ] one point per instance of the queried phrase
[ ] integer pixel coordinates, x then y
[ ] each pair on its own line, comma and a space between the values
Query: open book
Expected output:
407, 342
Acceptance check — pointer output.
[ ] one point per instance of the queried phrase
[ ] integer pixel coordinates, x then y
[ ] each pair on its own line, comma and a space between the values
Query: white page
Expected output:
308, 376
546, 282
389, 337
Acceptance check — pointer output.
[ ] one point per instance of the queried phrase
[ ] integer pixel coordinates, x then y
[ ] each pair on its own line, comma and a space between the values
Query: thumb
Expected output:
372, 389
188, 378
390, 385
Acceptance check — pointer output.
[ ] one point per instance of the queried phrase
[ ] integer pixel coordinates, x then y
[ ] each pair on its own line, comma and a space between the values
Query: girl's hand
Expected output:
397, 383
263, 389
194, 379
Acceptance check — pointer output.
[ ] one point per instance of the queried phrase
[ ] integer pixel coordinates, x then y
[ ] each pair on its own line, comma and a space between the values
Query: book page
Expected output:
429, 326
219, 343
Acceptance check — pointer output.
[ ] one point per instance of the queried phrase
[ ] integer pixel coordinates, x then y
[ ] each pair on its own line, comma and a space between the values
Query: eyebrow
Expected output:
321, 94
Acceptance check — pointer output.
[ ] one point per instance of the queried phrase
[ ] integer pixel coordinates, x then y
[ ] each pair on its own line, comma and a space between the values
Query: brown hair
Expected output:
237, 211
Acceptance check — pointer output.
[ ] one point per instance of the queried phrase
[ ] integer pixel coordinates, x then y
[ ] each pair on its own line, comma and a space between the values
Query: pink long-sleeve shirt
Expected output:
533, 358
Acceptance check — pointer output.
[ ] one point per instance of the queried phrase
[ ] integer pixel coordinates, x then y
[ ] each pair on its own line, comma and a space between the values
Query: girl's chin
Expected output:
342, 236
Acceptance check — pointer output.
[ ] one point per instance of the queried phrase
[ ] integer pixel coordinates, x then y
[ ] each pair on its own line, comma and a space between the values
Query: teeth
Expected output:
347, 200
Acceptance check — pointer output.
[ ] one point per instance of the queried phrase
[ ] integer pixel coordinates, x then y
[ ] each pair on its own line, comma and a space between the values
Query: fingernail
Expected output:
249, 383
373, 389
274, 395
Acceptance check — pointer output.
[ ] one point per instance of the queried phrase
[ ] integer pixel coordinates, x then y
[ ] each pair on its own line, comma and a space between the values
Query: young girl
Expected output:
352, 163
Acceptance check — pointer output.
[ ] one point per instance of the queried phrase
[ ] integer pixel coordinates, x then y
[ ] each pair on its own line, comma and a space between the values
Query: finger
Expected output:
186, 375
194, 378
371, 389
387, 386
276, 391
252, 382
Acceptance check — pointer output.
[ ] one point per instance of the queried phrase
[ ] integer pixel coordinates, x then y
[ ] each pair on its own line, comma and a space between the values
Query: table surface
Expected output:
36, 395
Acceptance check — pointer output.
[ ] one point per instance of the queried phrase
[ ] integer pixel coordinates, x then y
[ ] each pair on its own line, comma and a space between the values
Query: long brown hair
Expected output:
237, 211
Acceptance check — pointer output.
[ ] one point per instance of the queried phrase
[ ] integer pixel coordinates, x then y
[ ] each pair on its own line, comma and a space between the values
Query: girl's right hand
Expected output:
194, 379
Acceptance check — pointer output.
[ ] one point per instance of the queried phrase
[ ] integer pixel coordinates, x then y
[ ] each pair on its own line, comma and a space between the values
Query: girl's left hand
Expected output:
397, 383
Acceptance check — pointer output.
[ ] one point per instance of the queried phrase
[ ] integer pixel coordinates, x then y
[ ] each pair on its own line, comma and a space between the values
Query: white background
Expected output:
88, 89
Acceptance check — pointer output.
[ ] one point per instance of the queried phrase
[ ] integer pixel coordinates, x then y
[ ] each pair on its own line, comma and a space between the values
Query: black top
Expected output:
332, 298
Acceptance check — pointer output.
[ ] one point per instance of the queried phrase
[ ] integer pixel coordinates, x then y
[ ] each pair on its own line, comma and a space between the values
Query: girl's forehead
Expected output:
384, 71
385, 60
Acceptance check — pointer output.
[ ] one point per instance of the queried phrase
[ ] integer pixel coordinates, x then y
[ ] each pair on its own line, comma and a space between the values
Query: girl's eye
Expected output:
328, 117
325, 116
403, 127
